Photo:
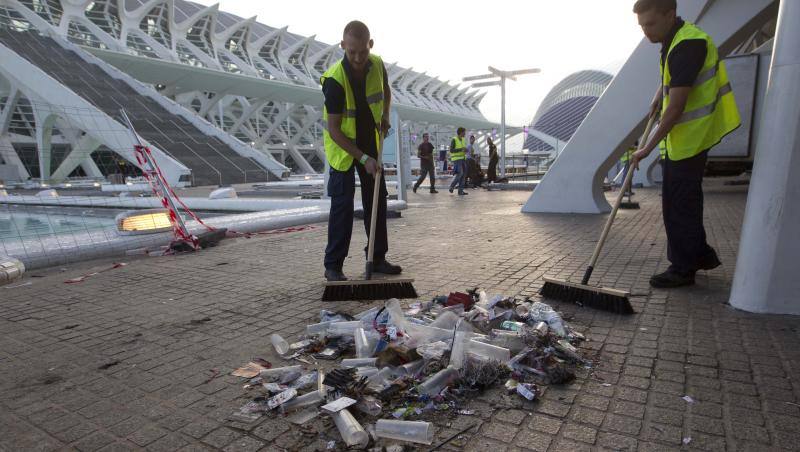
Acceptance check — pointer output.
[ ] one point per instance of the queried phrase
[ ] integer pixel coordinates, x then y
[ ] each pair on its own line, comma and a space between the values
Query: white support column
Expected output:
766, 269
8, 111
81, 150
10, 156
90, 168
574, 183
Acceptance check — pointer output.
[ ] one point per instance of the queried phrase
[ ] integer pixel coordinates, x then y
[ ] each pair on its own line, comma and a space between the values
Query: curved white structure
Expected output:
256, 85
574, 183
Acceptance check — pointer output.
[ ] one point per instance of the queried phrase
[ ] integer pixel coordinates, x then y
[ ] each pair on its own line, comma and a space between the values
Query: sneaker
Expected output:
335, 275
671, 278
434, 191
414, 189
451, 189
462, 193
386, 268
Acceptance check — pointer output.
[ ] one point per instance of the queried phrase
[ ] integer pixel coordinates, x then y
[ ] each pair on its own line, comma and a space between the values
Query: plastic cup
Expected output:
352, 432
411, 431
434, 385
280, 344
364, 349
304, 401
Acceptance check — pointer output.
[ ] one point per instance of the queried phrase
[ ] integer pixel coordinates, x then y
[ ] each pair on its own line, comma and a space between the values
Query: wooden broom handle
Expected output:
376, 191
620, 195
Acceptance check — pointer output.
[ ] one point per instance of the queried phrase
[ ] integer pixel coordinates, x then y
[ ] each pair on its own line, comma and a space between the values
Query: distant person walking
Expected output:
493, 159
425, 154
458, 151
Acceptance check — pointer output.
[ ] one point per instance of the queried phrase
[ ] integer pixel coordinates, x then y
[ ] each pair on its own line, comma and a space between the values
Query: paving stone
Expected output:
531, 440
546, 424
501, 432
94, 442
617, 442
146, 435
622, 424
246, 444
511, 416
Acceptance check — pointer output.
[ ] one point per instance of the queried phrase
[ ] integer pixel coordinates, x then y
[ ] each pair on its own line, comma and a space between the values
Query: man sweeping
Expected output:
357, 102
697, 110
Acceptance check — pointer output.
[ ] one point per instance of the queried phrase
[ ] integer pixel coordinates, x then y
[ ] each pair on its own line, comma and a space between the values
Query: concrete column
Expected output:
766, 278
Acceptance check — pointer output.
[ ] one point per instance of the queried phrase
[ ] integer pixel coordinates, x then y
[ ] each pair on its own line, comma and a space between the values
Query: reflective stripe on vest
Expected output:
710, 111
337, 157
459, 152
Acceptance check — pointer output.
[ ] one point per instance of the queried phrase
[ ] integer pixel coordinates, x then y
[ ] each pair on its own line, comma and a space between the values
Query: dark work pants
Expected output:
426, 168
341, 189
682, 205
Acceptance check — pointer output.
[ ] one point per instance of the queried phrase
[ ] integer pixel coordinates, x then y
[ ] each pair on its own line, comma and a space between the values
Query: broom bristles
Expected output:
366, 292
593, 298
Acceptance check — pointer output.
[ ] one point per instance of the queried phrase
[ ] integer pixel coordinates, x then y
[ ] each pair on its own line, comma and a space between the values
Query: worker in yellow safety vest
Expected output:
458, 155
697, 110
357, 105
625, 161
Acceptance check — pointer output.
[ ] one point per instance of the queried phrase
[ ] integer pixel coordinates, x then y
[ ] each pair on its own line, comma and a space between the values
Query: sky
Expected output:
453, 40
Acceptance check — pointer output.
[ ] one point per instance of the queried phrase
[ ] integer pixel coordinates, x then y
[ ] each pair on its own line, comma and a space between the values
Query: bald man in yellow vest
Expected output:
357, 103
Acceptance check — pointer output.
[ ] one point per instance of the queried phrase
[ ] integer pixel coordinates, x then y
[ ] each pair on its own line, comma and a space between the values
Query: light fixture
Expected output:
96, 184
149, 221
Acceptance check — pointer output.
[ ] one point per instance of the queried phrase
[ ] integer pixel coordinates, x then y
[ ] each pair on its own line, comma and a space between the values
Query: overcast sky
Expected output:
452, 39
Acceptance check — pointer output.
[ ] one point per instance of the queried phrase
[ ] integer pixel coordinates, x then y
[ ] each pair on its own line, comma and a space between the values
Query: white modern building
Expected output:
221, 99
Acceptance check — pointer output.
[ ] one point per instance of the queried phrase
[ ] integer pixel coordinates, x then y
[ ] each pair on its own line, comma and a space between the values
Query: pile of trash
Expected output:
402, 366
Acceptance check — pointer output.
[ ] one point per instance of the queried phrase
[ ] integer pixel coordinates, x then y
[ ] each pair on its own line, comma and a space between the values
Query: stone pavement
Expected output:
139, 357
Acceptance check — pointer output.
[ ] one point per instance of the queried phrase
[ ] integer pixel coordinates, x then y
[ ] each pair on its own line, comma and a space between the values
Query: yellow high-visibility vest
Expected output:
337, 157
459, 152
710, 112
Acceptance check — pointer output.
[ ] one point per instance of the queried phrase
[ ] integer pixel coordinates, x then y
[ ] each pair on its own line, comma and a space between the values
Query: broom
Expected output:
368, 288
602, 298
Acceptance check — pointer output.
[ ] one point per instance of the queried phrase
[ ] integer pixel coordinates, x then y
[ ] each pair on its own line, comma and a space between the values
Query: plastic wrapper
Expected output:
433, 350
446, 320
411, 431
541, 312
489, 351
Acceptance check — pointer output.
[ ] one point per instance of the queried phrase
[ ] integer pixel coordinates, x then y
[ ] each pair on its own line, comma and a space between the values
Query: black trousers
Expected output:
682, 205
341, 189
425, 169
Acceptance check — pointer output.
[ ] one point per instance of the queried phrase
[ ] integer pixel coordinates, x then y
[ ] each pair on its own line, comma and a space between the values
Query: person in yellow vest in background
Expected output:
697, 111
625, 161
357, 104
458, 155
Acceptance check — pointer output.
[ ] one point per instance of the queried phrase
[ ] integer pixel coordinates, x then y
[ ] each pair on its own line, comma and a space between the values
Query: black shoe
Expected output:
709, 262
462, 193
434, 191
335, 275
671, 278
386, 268
451, 189
414, 189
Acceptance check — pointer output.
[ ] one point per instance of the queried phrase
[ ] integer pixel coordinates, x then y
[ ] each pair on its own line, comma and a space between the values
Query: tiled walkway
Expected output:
139, 357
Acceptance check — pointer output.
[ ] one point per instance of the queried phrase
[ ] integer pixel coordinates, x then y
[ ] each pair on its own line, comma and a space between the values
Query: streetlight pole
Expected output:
502, 75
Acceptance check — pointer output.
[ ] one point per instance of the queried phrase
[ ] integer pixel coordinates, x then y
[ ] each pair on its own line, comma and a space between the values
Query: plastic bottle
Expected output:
352, 432
277, 373
280, 344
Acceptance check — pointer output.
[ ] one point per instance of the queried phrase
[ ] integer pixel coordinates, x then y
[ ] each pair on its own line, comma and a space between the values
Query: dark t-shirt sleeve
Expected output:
334, 96
685, 62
